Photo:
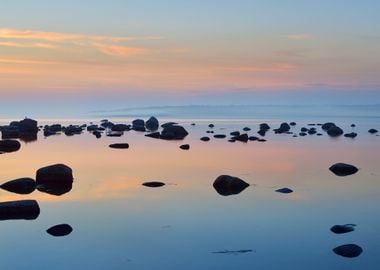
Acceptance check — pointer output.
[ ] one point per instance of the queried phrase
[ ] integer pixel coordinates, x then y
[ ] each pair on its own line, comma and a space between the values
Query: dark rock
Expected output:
292, 124
209, 131
48, 132
97, 134
334, 131
284, 190
328, 125
261, 140
173, 133
55, 127
211, 125
8, 146
253, 138
120, 127
219, 136
353, 125
119, 145
72, 130
152, 123
185, 147
153, 184
311, 124
54, 174
60, 230
56, 189
10, 132
246, 129
264, 126
342, 169
235, 133
107, 124
231, 140
193, 124
284, 127
348, 250
351, 135
302, 134
205, 139
92, 127
155, 135
312, 131
319, 134
168, 124
241, 138
227, 185
28, 125
261, 132
20, 186
24, 209
138, 125
303, 129
373, 131
339, 229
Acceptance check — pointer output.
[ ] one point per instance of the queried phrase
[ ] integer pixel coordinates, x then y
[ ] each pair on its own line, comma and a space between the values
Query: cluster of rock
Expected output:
25, 130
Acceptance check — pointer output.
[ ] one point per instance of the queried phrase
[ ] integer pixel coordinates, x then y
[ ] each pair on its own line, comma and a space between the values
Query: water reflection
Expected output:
24, 209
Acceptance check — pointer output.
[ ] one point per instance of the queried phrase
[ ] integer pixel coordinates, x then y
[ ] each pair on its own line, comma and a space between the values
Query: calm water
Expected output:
120, 224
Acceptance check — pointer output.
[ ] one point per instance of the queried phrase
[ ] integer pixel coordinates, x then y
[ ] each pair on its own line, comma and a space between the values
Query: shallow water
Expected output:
120, 224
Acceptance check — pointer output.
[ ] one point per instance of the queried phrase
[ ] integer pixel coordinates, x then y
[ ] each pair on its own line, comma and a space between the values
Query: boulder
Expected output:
340, 229
57, 174
343, 169
227, 185
284, 127
28, 125
351, 135
242, 137
8, 146
348, 250
24, 209
60, 230
334, 131
303, 129
205, 139
292, 124
328, 125
138, 125
120, 127
264, 126
211, 125
373, 131
185, 147
153, 184
20, 186
56, 189
173, 132
119, 145
152, 123
261, 132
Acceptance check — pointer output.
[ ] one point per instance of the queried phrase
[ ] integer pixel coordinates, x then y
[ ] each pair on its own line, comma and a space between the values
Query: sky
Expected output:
99, 54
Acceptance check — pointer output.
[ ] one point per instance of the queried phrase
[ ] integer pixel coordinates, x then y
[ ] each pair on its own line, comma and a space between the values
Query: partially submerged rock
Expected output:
343, 169
173, 132
242, 137
20, 186
54, 174
348, 250
373, 131
138, 125
155, 135
185, 147
24, 209
227, 185
152, 123
205, 139
119, 145
60, 230
284, 190
334, 131
219, 136
153, 184
8, 146
351, 135
340, 229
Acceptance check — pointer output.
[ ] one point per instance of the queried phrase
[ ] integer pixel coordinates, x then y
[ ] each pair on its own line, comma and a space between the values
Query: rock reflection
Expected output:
20, 186
24, 209
56, 189
227, 185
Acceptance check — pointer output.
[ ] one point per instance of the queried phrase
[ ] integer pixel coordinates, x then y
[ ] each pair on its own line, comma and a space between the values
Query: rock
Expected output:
60, 230
373, 131
246, 129
351, 135
106, 124
253, 138
303, 129
155, 135
28, 125
264, 126
168, 124
302, 134
185, 147
115, 134
211, 125
92, 127
292, 124
227, 185
72, 130
55, 127
319, 134
231, 140
205, 139
261, 140
56, 189
138, 125
97, 134
334, 131
48, 132
353, 125
312, 131
193, 124
209, 131
261, 132
10, 132
328, 125
284, 127
173, 133
20, 186
153, 184
8, 146
343, 169
219, 136
119, 145
54, 174
284, 190
152, 123
24, 209
241, 138
339, 229
120, 127
235, 133
348, 250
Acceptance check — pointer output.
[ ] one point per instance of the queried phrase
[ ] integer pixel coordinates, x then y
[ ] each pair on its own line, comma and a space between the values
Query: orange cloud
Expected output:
27, 45
122, 51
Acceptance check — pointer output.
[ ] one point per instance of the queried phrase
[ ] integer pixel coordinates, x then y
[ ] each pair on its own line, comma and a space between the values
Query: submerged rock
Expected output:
343, 169
60, 230
152, 123
284, 190
339, 229
227, 185
185, 147
54, 174
119, 145
8, 146
348, 250
20, 186
173, 133
24, 209
153, 184
351, 135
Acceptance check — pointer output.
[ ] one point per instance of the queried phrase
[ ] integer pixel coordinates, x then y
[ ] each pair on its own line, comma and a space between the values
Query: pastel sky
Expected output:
150, 48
